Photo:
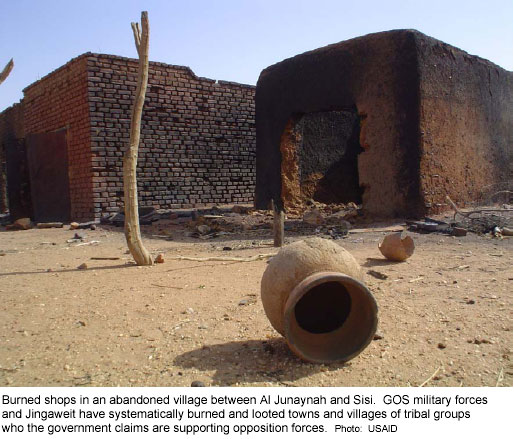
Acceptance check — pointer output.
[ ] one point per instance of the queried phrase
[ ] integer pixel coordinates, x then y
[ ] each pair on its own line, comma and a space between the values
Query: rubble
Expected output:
20, 224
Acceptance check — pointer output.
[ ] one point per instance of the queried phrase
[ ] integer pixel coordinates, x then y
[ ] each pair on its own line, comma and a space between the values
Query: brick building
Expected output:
197, 140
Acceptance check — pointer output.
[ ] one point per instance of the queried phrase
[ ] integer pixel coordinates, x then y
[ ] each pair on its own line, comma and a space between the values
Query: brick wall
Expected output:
60, 100
197, 138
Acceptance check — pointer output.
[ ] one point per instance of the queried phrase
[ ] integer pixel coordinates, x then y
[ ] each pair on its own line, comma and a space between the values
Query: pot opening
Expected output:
324, 308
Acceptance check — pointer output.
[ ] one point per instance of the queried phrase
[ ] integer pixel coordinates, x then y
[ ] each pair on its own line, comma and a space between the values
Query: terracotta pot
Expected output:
313, 295
397, 247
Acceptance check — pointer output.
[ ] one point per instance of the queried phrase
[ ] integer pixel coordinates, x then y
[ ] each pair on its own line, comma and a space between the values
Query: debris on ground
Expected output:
54, 225
377, 274
20, 224
159, 259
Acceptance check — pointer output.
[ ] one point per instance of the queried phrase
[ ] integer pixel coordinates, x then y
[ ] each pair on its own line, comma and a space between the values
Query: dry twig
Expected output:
430, 377
222, 258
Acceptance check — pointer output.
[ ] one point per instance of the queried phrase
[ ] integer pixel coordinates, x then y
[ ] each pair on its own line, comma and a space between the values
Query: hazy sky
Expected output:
228, 39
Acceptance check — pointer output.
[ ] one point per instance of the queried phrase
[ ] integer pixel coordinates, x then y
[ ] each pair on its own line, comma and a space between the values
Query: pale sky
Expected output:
229, 39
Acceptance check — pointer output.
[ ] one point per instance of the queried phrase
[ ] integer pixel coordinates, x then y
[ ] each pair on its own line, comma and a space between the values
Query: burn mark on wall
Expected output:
319, 158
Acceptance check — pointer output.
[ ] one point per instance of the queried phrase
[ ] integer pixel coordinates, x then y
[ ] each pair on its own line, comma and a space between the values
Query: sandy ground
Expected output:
446, 313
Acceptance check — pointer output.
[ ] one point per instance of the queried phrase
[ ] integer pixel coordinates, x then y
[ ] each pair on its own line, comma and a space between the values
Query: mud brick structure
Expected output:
394, 120
197, 139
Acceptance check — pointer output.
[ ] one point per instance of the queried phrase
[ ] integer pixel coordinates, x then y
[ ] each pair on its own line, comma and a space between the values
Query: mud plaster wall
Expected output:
11, 129
435, 120
376, 74
59, 100
466, 125
197, 137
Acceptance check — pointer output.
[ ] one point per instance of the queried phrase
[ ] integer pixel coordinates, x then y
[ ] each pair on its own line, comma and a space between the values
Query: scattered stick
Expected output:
378, 229
221, 258
416, 279
88, 243
98, 258
49, 225
471, 212
429, 378
166, 286
500, 377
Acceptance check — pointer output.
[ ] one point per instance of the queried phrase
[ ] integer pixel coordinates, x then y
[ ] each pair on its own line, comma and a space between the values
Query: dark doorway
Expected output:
18, 183
327, 156
47, 156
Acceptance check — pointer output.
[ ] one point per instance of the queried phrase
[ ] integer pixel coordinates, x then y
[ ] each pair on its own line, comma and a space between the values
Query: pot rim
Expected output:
306, 285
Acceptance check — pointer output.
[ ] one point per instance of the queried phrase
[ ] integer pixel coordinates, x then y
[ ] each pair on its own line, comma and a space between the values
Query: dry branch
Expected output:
132, 231
7, 69
222, 258
471, 212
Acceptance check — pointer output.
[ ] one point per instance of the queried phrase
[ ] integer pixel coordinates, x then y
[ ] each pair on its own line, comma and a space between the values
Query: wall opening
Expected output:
320, 158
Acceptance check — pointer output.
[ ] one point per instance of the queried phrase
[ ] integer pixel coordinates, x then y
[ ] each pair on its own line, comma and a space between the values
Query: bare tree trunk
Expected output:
7, 69
132, 232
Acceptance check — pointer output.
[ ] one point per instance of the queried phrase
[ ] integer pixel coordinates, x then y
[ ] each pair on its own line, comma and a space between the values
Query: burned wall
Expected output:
324, 152
197, 138
377, 75
434, 121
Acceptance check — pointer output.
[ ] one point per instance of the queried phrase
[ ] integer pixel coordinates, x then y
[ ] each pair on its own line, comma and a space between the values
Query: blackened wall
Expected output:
378, 76
435, 121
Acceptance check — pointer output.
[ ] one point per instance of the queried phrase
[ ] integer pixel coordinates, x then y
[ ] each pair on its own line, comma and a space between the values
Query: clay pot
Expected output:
313, 295
396, 248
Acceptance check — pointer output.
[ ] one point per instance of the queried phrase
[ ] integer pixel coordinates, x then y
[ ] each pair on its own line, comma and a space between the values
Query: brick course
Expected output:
59, 100
197, 134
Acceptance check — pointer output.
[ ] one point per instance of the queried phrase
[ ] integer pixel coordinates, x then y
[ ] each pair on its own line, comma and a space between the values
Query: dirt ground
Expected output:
445, 315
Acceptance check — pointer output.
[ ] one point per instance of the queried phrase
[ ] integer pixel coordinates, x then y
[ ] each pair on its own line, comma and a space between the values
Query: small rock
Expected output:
198, 384
377, 274
313, 217
378, 336
74, 226
21, 224
203, 229
243, 302
227, 248
470, 302
159, 259
92, 226
82, 266
459, 231
79, 235
268, 348
242, 210
441, 345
